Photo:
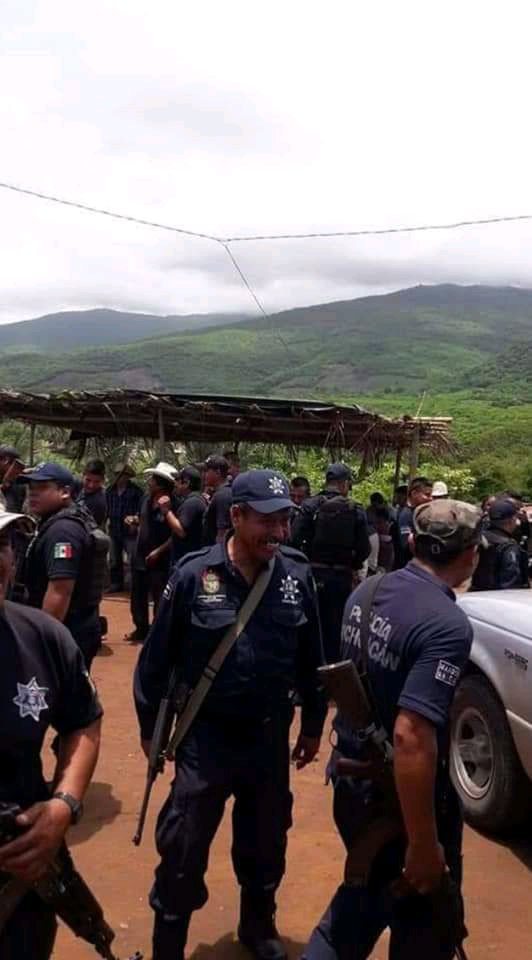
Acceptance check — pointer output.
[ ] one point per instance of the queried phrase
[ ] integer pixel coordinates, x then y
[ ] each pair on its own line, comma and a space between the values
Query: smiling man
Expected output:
238, 745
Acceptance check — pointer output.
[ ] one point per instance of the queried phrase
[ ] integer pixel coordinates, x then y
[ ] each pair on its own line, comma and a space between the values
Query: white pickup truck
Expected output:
491, 735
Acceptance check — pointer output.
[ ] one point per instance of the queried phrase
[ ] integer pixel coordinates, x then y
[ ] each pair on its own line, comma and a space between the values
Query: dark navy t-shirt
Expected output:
217, 519
190, 515
43, 683
419, 644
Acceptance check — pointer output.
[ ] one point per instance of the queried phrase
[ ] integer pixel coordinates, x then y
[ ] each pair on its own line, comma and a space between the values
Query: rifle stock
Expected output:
62, 888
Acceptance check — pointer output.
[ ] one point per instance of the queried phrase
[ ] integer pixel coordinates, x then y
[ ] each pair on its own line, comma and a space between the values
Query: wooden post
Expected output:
414, 453
32, 444
397, 474
162, 441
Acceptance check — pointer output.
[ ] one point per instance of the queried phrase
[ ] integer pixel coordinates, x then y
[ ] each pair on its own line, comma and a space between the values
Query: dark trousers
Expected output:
357, 916
29, 934
146, 584
334, 587
119, 545
243, 759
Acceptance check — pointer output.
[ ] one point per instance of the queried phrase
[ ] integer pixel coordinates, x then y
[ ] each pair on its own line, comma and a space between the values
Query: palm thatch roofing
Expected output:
178, 417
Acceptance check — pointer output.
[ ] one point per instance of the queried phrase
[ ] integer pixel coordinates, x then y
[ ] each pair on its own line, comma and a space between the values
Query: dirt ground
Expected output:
498, 883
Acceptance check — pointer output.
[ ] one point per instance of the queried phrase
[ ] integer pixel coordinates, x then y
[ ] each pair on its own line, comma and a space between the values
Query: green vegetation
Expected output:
464, 352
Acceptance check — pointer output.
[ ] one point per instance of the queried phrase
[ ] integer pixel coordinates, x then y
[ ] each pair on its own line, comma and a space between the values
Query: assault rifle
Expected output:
383, 821
61, 888
169, 707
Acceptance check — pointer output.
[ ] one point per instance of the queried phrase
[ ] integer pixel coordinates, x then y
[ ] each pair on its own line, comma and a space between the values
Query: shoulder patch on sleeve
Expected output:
63, 551
447, 673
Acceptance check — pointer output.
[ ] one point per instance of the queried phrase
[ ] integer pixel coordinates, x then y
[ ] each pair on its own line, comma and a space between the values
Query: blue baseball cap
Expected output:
265, 490
338, 472
48, 471
503, 510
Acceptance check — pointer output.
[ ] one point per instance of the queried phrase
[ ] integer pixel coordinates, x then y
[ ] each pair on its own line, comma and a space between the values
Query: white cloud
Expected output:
244, 117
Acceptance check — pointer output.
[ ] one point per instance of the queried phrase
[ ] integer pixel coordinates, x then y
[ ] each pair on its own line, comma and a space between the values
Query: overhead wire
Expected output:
226, 241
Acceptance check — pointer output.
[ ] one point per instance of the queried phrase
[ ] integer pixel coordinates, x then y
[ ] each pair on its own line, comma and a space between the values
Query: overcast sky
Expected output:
244, 117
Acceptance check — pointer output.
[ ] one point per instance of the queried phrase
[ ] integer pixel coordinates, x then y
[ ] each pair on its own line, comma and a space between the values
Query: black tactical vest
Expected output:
91, 581
487, 574
335, 524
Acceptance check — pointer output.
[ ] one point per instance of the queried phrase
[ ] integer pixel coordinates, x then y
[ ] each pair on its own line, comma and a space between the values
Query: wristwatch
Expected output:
76, 806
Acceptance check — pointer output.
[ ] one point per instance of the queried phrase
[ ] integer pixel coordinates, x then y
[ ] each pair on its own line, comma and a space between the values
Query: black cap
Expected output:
503, 510
189, 473
338, 472
218, 463
48, 471
264, 490
11, 453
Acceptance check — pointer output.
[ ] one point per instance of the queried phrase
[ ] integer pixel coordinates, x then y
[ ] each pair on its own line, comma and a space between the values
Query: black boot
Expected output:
257, 930
169, 937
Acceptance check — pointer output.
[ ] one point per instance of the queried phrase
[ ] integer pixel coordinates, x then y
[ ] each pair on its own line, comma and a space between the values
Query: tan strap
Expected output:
210, 672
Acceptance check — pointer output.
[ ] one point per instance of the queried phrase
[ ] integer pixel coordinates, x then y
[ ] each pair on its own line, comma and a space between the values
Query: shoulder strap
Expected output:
366, 602
214, 665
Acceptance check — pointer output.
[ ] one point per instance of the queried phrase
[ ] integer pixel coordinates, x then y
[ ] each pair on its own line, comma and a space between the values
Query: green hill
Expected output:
75, 329
425, 338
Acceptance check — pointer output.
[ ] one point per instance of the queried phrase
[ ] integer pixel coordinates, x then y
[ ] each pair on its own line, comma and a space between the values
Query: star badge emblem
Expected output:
30, 699
290, 590
276, 485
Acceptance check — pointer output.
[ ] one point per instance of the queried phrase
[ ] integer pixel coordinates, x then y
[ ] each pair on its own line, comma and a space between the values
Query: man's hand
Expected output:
152, 558
164, 503
29, 856
305, 750
424, 867
146, 747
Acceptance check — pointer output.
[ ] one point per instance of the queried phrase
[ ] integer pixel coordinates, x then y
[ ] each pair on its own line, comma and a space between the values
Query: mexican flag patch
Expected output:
63, 551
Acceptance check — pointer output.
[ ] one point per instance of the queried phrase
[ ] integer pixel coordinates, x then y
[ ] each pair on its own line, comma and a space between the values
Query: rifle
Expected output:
168, 708
62, 888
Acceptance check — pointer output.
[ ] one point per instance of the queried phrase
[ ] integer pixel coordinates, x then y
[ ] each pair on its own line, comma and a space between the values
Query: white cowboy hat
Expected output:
164, 470
6, 518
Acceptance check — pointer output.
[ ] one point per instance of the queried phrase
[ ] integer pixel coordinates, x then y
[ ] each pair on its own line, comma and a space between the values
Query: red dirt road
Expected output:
498, 883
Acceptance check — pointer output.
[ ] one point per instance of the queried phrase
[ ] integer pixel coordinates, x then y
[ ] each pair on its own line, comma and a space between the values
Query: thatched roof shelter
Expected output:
183, 418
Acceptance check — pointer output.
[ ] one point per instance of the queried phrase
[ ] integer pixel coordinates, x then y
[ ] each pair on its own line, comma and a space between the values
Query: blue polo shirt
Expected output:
279, 649
419, 644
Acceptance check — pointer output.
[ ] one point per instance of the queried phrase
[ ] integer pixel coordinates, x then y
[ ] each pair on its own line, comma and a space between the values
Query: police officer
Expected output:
43, 683
333, 532
65, 566
92, 494
419, 491
186, 520
503, 564
239, 743
419, 643
217, 518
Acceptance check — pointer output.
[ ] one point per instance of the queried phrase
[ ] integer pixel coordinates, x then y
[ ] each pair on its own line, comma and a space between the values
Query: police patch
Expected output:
290, 590
30, 699
210, 582
63, 551
447, 673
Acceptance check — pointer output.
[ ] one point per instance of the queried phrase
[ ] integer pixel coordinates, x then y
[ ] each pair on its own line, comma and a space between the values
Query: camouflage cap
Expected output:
451, 525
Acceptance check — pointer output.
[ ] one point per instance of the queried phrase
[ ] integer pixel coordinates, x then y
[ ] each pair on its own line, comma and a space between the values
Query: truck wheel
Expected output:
485, 768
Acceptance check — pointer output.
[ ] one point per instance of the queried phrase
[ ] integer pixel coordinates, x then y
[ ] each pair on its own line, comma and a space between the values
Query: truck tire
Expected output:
485, 767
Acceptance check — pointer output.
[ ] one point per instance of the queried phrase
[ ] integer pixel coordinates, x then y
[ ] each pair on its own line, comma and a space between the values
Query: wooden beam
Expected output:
414, 454
162, 440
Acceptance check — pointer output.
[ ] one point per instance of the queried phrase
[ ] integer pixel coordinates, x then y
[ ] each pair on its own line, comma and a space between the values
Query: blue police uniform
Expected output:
419, 643
43, 683
239, 743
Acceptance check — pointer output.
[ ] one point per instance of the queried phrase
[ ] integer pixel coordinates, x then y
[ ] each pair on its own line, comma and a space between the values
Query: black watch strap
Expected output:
76, 806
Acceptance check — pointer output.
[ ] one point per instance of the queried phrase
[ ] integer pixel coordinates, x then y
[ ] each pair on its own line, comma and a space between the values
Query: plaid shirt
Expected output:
120, 505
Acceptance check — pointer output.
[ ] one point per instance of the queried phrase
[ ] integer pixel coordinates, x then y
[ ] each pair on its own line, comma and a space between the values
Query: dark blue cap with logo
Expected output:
502, 510
264, 490
48, 471
338, 472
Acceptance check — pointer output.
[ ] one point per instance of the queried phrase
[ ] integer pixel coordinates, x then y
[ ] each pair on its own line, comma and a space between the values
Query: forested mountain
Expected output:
423, 338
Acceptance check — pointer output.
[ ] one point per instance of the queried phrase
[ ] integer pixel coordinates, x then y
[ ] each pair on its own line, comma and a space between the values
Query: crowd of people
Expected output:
286, 581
